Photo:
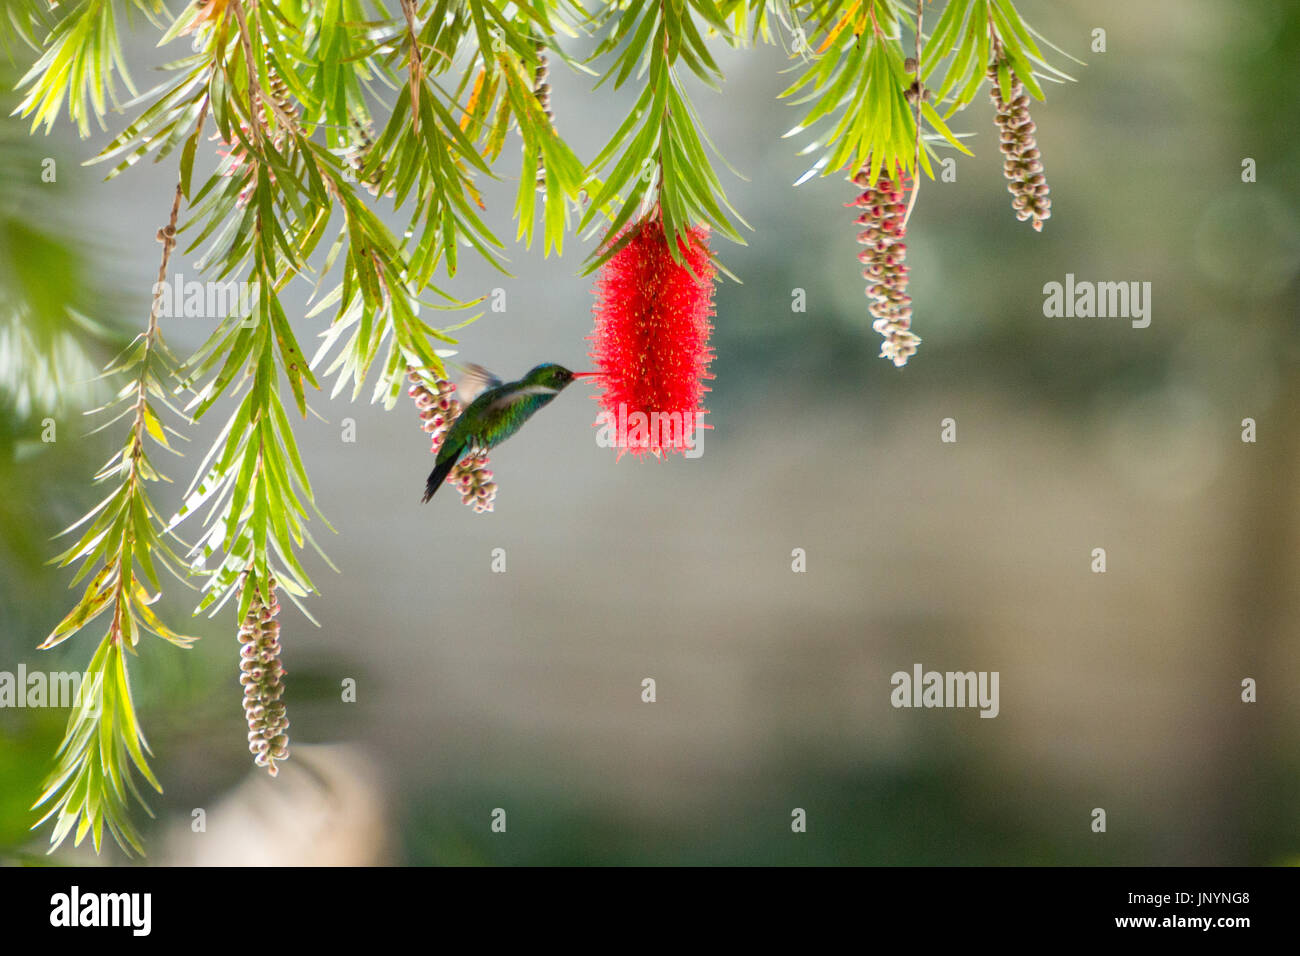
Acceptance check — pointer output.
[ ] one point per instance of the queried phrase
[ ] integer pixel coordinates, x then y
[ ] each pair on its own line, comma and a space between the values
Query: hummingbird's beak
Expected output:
587, 374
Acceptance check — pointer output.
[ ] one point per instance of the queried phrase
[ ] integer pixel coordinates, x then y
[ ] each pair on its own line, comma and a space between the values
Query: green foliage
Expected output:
656, 159
968, 32
327, 112
101, 749
861, 92
123, 546
82, 54
45, 361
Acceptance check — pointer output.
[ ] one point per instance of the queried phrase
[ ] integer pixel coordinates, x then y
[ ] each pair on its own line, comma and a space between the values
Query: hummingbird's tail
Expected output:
440, 473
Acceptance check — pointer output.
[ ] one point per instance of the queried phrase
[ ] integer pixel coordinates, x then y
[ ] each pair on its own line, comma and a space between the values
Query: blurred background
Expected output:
522, 690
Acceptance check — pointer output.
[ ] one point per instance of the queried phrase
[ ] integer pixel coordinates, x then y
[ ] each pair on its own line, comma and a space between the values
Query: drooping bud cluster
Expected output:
1022, 165
473, 480
358, 154
262, 676
438, 410
882, 220
281, 110
273, 118
542, 91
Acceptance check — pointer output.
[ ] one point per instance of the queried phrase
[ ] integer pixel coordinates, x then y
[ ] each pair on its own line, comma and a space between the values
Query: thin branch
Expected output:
167, 236
256, 95
415, 65
920, 98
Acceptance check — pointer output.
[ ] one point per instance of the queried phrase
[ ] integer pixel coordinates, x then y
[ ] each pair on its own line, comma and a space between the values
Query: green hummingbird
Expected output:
493, 411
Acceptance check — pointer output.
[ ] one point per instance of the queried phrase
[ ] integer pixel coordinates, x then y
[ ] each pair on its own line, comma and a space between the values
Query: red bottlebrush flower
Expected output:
651, 341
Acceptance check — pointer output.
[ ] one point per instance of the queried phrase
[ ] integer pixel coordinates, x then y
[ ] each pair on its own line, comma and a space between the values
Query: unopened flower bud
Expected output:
884, 214
1023, 168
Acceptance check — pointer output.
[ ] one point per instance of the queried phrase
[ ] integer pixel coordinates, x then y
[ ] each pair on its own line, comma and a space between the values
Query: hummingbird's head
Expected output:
550, 375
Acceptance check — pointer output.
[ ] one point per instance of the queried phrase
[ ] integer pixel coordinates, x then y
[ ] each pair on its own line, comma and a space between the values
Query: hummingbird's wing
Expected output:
474, 381
515, 396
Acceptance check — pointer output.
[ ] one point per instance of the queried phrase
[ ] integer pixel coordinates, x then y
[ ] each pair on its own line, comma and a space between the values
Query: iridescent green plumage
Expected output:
495, 414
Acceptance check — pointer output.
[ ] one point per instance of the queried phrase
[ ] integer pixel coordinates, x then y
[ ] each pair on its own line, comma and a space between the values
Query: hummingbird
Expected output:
493, 411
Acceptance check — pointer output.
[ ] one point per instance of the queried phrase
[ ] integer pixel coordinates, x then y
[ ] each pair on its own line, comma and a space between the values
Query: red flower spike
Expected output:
651, 341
